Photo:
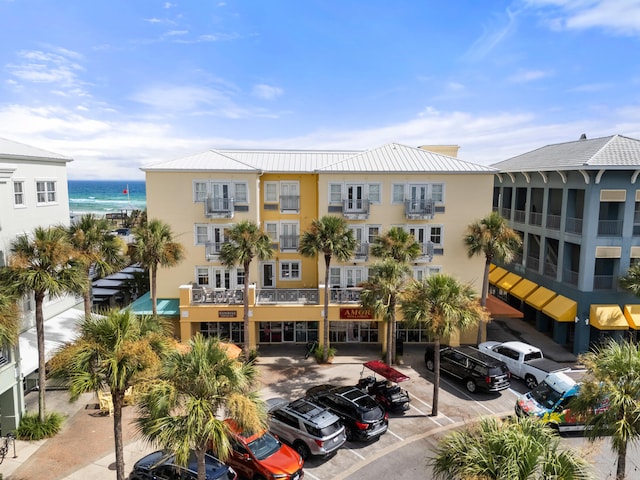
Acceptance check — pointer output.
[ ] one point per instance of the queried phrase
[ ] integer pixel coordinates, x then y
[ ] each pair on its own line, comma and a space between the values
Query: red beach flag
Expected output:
125, 191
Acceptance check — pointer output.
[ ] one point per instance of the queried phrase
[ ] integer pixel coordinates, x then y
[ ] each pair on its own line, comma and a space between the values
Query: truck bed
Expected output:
547, 365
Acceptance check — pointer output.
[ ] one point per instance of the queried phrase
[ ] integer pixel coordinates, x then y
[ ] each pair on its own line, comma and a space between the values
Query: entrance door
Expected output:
268, 275
220, 195
355, 197
418, 197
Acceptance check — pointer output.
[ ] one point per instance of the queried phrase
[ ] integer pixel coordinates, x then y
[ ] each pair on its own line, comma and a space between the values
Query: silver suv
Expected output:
307, 427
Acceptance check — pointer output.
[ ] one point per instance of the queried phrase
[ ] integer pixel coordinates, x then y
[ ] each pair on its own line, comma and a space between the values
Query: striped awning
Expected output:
496, 274
509, 281
540, 297
523, 289
632, 314
607, 317
562, 309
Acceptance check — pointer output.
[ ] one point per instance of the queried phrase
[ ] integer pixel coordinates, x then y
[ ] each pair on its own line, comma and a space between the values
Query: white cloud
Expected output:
524, 76
267, 92
493, 36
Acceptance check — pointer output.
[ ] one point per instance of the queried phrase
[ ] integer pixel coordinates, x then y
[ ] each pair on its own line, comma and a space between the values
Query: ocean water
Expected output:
106, 196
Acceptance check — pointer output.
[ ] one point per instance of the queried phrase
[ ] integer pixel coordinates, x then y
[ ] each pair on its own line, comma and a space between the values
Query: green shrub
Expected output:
319, 351
32, 429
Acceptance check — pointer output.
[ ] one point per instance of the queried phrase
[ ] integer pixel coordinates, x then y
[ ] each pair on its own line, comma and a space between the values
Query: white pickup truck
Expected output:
524, 361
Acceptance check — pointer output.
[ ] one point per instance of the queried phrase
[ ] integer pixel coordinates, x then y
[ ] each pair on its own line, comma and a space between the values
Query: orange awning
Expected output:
523, 289
509, 281
540, 298
496, 274
562, 309
632, 314
499, 309
607, 317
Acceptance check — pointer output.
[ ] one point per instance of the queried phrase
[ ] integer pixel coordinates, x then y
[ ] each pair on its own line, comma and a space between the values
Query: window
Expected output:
202, 275
240, 277
290, 196
436, 235
241, 193
335, 193
334, 276
202, 234
398, 193
270, 192
289, 270
374, 192
271, 229
373, 232
199, 191
437, 192
46, 192
18, 194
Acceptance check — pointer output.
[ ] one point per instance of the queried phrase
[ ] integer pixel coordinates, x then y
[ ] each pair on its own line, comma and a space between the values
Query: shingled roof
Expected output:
614, 152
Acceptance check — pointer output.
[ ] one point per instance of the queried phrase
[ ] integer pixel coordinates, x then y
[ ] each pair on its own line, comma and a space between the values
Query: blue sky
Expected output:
120, 84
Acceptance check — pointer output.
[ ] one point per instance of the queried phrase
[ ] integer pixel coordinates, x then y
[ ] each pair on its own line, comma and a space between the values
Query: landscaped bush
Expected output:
32, 429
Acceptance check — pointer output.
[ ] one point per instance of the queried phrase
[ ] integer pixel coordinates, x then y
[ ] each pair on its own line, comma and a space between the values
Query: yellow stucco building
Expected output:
427, 190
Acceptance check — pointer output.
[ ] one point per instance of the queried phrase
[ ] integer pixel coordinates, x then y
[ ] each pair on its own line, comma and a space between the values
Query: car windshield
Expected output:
545, 395
264, 446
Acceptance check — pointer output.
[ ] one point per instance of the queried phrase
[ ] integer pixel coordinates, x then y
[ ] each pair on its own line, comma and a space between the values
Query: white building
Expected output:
33, 192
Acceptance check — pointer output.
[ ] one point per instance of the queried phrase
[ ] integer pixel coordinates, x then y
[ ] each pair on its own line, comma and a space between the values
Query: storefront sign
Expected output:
227, 313
355, 313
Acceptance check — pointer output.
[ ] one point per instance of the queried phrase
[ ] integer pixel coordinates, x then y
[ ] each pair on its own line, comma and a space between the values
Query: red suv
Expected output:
262, 456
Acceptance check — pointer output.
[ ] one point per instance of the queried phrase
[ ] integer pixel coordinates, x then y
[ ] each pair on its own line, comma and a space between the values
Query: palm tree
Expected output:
244, 242
98, 249
613, 383
492, 238
631, 281
43, 263
115, 351
511, 449
380, 294
197, 389
400, 246
442, 305
329, 236
153, 247
9, 319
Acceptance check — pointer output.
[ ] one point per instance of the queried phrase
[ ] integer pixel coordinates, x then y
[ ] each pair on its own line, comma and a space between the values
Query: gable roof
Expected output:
16, 151
613, 152
389, 158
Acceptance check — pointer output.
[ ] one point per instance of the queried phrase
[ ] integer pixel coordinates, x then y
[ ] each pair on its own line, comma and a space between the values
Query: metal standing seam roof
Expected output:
613, 152
386, 159
15, 150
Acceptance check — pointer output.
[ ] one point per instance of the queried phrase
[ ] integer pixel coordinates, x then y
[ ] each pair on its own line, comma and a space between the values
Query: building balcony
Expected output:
533, 263
574, 225
419, 209
535, 218
355, 209
550, 270
289, 243
288, 296
609, 228
505, 213
361, 252
603, 282
349, 295
289, 203
553, 221
212, 250
218, 207
206, 295
519, 216
427, 250
570, 277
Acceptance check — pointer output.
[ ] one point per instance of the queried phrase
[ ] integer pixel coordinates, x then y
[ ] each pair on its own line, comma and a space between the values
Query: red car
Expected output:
262, 456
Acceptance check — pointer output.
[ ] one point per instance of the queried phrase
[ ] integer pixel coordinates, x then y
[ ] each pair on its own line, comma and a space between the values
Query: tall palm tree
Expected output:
43, 263
97, 249
443, 305
631, 281
511, 449
198, 388
115, 351
612, 387
380, 294
244, 242
329, 236
9, 319
155, 247
400, 246
492, 238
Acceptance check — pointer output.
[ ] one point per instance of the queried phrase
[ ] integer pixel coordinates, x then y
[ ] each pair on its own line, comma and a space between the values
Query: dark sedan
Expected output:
161, 465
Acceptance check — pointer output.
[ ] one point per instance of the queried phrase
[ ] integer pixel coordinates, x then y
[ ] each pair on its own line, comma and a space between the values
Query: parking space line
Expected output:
419, 411
355, 453
307, 473
397, 436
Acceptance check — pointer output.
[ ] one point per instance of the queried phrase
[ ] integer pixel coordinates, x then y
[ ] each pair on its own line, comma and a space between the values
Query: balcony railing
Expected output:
553, 221
610, 228
574, 225
288, 295
289, 242
207, 295
427, 250
345, 295
419, 209
570, 277
535, 218
362, 251
218, 207
212, 249
603, 282
290, 202
519, 216
506, 213
355, 209
550, 270
533, 263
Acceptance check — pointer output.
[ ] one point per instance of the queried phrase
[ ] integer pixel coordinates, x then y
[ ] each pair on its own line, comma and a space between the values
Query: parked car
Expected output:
477, 370
364, 419
524, 361
309, 428
161, 465
550, 400
260, 455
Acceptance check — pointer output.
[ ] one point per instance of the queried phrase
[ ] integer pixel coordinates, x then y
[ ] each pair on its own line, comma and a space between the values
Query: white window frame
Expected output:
433, 194
238, 195
332, 199
286, 227
198, 231
271, 196
378, 196
49, 195
288, 186
198, 192
19, 197
395, 190
287, 265
421, 272
370, 238
274, 227
431, 234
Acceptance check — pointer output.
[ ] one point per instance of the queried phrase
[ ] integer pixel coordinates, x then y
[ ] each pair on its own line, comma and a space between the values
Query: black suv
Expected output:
363, 418
161, 465
477, 370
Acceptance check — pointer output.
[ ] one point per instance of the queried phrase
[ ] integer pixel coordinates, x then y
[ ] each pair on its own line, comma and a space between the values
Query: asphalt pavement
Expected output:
84, 448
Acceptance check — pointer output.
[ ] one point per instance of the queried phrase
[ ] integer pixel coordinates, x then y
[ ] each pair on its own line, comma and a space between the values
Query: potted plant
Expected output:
319, 353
